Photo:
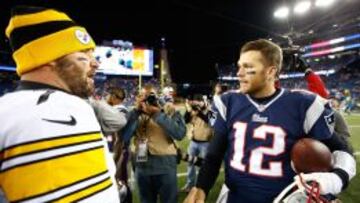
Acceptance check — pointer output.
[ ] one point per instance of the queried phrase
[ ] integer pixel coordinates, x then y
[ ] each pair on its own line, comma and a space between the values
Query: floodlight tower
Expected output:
165, 77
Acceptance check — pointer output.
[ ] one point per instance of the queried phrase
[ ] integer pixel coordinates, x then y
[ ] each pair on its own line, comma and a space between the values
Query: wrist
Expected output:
199, 193
307, 71
343, 176
337, 184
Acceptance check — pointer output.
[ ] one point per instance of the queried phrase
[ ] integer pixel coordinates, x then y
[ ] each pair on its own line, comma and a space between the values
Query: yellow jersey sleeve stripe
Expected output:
51, 148
54, 143
26, 181
48, 139
86, 192
64, 187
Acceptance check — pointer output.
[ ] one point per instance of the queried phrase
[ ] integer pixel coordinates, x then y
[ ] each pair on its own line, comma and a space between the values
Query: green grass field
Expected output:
350, 195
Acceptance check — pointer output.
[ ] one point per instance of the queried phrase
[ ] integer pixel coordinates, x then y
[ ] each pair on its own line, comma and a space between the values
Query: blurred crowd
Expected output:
342, 84
130, 85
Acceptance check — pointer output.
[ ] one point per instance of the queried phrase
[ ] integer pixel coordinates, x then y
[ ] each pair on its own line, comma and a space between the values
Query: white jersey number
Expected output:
257, 154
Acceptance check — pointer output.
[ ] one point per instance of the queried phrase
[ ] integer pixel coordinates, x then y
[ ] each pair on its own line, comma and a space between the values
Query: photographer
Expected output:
200, 133
153, 148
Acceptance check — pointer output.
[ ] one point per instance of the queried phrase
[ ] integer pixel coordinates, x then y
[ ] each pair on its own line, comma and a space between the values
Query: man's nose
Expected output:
241, 72
94, 64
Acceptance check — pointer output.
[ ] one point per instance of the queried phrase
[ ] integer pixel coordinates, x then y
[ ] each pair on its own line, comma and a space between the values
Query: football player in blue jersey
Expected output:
256, 128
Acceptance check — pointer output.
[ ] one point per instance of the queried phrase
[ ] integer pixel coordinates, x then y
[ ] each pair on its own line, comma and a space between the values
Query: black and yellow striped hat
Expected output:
40, 35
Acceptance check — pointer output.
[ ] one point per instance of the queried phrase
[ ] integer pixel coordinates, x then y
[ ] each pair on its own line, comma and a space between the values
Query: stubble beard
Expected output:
77, 81
257, 86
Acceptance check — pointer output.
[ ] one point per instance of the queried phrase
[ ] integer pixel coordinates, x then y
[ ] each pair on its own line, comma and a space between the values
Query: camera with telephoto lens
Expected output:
196, 107
292, 60
152, 100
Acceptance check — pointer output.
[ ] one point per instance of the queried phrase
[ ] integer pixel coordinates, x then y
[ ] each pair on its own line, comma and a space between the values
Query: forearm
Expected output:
174, 125
344, 167
212, 163
344, 164
114, 122
315, 84
130, 127
335, 143
109, 118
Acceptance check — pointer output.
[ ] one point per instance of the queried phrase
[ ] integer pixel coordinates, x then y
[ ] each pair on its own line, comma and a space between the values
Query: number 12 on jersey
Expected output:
255, 165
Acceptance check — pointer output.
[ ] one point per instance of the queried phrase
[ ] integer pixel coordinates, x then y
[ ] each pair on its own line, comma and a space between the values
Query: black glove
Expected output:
301, 65
294, 63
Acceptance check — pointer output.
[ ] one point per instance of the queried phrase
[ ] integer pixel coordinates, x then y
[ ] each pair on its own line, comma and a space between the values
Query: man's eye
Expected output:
83, 59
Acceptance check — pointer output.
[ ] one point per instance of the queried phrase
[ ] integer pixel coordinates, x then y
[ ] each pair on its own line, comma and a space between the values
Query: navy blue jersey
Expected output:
260, 138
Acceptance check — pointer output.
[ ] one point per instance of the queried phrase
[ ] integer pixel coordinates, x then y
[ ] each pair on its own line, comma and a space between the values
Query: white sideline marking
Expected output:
352, 114
185, 174
181, 174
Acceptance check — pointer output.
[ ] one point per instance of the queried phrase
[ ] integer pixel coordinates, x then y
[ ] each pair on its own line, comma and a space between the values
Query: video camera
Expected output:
292, 61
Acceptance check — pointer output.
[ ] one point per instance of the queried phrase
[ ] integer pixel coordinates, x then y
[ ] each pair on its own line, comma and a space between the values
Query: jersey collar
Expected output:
30, 85
263, 107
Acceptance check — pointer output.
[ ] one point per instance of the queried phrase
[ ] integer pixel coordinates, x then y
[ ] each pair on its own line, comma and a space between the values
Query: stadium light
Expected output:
324, 3
302, 7
282, 12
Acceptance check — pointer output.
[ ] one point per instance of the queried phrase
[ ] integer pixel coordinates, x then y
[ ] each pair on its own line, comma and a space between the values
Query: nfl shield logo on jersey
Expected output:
330, 121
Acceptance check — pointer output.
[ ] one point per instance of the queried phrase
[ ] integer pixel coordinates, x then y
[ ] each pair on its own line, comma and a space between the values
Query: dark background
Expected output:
198, 34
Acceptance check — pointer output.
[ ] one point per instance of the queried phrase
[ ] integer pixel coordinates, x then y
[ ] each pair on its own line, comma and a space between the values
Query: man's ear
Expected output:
51, 66
272, 71
52, 63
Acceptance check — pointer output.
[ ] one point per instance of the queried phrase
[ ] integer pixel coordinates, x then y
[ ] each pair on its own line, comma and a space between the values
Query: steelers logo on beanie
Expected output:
41, 35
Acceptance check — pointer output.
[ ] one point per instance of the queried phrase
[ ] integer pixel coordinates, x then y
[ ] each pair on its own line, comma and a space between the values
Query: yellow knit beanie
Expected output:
40, 35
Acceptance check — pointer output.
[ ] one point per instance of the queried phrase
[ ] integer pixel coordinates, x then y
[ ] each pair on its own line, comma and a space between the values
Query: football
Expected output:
310, 155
